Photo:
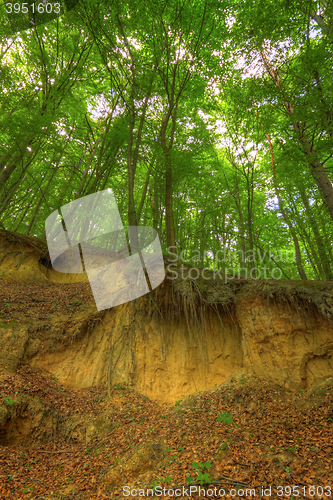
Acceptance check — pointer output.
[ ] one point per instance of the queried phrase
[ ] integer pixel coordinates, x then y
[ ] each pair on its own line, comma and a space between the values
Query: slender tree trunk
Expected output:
170, 224
154, 198
171, 113
10, 194
242, 225
285, 217
327, 119
249, 209
328, 243
317, 169
323, 258
11, 165
307, 241
14, 187
21, 219
202, 240
38, 204
132, 162
145, 187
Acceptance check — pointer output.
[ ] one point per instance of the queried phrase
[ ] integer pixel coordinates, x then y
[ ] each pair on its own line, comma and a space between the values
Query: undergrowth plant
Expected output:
160, 480
202, 474
8, 401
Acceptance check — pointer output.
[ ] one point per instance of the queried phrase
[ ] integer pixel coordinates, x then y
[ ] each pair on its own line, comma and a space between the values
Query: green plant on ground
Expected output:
160, 480
202, 475
225, 417
122, 386
8, 401
26, 490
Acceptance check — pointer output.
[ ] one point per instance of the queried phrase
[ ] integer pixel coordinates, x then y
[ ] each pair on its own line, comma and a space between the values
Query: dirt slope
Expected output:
200, 379
185, 336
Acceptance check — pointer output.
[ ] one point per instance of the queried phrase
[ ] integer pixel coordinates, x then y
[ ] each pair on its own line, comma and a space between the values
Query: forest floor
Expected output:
246, 438
242, 435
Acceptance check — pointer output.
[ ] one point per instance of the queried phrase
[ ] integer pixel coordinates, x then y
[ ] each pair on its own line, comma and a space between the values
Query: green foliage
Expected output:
99, 101
8, 401
160, 480
225, 417
202, 475
122, 386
